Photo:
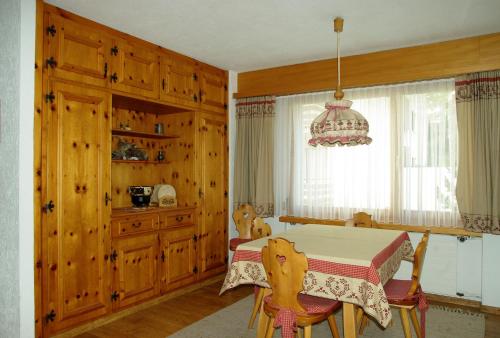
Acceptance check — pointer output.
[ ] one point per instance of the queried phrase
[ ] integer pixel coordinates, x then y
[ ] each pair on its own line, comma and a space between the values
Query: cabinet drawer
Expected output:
178, 219
134, 224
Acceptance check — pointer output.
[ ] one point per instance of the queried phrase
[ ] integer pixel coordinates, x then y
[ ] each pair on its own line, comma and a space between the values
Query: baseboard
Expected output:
147, 304
462, 303
492, 310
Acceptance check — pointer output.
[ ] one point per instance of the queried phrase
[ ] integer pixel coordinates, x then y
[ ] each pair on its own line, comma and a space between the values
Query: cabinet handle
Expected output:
114, 77
138, 225
105, 69
179, 218
163, 84
107, 198
200, 193
162, 256
195, 98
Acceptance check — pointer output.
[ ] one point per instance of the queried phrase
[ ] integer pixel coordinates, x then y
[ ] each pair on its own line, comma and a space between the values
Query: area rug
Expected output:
232, 322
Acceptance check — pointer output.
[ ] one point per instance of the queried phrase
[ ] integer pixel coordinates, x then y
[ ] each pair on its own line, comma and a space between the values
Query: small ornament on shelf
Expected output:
128, 151
124, 126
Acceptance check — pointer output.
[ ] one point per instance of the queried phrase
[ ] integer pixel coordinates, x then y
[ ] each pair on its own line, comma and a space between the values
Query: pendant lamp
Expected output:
339, 125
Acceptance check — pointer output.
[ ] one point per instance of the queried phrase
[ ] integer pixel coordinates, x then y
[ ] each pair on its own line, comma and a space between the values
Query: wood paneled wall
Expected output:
432, 61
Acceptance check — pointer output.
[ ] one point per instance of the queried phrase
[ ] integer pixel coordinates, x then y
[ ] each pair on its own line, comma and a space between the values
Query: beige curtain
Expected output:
478, 180
253, 168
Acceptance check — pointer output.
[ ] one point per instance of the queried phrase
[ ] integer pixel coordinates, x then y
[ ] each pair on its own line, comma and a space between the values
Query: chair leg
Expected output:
307, 331
406, 322
359, 315
333, 326
416, 323
299, 332
363, 324
256, 307
270, 328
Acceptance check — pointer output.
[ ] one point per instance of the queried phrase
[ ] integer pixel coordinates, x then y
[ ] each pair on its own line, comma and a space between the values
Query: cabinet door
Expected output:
135, 278
177, 258
76, 218
76, 52
213, 85
179, 81
213, 220
134, 69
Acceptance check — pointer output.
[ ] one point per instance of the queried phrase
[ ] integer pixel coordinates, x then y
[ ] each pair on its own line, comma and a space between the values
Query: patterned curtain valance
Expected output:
256, 107
253, 168
478, 181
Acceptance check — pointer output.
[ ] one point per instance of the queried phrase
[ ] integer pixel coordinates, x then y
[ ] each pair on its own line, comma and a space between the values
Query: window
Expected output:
407, 175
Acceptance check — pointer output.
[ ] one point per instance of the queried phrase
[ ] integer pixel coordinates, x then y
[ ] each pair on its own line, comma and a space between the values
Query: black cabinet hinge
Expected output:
195, 76
50, 317
114, 50
50, 97
195, 98
49, 207
114, 296
113, 256
51, 62
51, 30
162, 256
195, 238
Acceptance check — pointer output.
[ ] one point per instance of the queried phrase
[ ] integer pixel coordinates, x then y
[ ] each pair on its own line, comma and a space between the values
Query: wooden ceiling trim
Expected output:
425, 62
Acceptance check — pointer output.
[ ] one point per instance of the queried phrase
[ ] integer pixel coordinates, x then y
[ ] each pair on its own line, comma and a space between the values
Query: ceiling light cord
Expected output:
338, 25
338, 59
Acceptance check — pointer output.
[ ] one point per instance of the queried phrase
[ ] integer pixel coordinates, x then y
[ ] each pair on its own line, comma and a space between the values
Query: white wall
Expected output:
491, 270
17, 58
232, 88
26, 219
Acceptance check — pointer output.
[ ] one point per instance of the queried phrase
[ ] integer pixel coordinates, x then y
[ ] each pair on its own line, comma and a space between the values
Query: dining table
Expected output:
348, 264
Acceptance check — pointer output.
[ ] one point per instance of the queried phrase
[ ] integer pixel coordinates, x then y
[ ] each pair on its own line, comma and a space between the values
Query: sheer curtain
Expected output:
407, 175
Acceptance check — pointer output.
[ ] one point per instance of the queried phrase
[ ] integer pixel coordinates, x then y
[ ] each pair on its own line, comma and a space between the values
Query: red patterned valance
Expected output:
478, 87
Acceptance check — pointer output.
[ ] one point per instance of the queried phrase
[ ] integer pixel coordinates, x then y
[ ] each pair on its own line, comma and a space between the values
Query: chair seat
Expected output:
234, 242
396, 291
313, 305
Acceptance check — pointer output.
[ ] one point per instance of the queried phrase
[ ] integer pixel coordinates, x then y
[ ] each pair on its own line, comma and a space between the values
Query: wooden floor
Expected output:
163, 319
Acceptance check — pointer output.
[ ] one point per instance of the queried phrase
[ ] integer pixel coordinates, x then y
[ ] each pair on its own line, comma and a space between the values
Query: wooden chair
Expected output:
259, 229
285, 269
407, 295
243, 217
362, 219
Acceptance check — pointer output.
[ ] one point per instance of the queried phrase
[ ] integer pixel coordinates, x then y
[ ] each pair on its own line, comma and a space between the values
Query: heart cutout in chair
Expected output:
281, 259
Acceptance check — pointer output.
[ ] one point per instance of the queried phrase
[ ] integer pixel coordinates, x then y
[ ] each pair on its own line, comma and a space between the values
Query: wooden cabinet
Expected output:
212, 150
134, 68
100, 89
76, 215
135, 269
179, 81
177, 257
76, 52
213, 89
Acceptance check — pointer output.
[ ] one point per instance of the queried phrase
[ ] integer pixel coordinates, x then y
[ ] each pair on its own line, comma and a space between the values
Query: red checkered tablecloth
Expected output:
347, 264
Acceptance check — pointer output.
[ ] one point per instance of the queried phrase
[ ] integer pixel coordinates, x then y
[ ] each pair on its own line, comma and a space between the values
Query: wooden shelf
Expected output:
132, 133
141, 161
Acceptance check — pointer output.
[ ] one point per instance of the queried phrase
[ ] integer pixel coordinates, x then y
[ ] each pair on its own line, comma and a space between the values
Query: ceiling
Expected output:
246, 35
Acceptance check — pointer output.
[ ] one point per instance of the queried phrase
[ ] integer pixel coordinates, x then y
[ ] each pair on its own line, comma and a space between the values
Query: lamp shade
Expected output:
339, 125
